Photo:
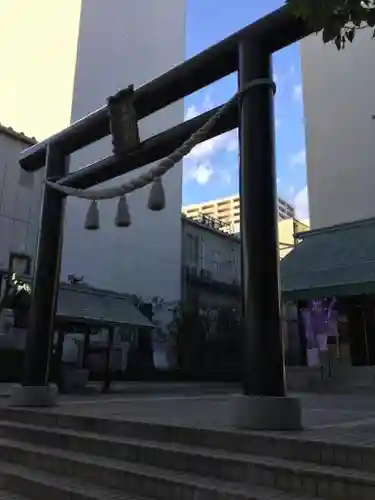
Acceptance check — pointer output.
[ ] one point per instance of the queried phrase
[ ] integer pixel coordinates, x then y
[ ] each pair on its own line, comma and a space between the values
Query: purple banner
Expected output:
319, 319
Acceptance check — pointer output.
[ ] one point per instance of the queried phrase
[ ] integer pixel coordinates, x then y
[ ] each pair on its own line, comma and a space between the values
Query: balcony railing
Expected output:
214, 271
214, 223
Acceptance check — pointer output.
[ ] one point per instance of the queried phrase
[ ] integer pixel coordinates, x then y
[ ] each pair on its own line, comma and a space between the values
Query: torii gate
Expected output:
249, 51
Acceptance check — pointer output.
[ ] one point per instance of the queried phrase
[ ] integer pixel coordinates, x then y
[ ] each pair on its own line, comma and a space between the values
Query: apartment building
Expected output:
211, 270
211, 257
227, 210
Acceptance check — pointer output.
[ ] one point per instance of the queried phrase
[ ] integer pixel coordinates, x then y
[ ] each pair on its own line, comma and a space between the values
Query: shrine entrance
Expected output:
335, 266
264, 404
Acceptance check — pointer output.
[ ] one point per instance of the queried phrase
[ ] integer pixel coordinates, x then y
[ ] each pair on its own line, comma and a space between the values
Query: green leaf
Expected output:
335, 18
300, 8
350, 34
330, 33
356, 14
370, 18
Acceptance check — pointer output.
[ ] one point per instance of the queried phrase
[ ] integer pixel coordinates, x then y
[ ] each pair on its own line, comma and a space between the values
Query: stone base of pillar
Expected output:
34, 396
266, 413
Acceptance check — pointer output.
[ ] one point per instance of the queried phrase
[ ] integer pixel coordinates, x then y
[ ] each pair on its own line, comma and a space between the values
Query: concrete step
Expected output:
38, 484
332, 483
218, 463
280, 445
7, 495
345, 379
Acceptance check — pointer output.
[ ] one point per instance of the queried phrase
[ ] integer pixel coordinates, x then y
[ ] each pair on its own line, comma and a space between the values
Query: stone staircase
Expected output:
47, 455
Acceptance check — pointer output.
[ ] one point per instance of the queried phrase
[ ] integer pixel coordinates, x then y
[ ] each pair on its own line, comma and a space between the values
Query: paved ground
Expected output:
140, 389
319, 411
336, 418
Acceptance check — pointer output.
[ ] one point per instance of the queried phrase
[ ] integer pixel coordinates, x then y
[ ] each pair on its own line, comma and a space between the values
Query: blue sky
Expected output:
211, 169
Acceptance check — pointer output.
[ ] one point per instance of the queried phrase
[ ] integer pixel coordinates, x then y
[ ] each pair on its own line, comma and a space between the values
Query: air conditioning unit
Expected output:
205, 273
192, 271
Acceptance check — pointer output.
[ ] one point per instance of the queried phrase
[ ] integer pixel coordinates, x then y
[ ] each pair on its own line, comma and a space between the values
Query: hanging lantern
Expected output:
92, 217
122, 218
156, 200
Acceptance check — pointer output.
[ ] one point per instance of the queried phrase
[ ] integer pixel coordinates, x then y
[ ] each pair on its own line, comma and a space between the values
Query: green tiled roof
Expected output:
339, 260
93, 305
85, 303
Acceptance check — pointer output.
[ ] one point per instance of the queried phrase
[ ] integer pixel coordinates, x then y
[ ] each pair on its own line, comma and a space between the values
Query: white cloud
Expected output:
231, 140
201, 173
227, 142
225, 176
297, 92
283, 78
194, 111
198, 164
301, 204
298, 159
206, 148
191, 112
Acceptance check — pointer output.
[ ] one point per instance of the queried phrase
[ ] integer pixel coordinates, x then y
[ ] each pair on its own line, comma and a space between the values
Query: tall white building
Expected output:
61, 59
339, 104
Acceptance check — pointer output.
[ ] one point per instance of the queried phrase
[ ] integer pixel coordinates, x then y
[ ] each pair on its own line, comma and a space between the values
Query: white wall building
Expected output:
214, 252
20, 196
339, 103
78, 53
211, 268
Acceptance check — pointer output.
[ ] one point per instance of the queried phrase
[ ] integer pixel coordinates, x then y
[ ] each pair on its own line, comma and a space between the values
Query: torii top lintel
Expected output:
273, 31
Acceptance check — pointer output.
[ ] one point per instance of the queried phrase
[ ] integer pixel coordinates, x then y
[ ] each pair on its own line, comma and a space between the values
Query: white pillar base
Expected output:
34, 396
266, 413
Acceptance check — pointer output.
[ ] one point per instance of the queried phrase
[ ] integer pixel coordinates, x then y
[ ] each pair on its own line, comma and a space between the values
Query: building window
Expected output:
26, 179
234, 259
216, 261
235, 264
127, 333
203, 252
193, 249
